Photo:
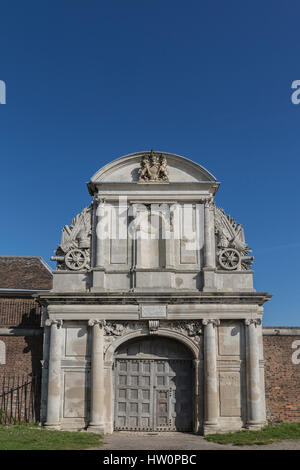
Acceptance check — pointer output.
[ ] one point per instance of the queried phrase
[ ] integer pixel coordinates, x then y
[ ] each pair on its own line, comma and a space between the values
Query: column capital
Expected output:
50, 322
207, 321
252, 321
98, 199
93, 322
209, 203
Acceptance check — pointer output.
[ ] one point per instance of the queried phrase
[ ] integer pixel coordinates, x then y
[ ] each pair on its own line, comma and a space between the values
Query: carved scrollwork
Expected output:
253, 321
212, 321
190, 328
94, 322
50, 322
115, 329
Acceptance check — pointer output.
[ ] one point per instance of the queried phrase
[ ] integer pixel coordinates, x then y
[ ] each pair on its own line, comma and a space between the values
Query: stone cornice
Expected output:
136, 298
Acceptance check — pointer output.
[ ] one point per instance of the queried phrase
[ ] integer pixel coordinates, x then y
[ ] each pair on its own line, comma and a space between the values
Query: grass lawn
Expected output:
34, 437
266, 435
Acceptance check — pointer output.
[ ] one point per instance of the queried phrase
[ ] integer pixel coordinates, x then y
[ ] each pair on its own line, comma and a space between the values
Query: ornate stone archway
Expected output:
153, 385
118, 334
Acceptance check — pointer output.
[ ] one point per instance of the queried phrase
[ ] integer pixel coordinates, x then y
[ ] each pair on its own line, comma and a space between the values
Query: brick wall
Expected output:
19, 312
22, 353
282, 378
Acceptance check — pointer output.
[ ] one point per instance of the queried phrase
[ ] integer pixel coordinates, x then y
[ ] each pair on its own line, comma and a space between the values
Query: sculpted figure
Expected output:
163, 169
144, 170
153, 168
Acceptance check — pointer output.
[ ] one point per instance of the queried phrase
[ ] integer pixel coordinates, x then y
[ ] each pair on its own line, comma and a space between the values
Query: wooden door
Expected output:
153, 393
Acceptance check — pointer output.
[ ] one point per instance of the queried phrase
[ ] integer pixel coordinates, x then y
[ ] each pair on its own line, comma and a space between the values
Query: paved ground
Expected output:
178, 441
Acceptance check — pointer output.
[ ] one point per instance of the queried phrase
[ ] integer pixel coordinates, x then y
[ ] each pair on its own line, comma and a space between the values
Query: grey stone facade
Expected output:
153, 257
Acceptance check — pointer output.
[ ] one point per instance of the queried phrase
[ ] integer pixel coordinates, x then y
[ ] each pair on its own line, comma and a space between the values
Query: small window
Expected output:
2, 353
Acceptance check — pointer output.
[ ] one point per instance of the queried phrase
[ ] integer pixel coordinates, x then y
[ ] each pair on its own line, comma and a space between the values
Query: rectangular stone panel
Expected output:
154, 311
188, 247
230, 394
76, 340
229, 343
74, 394
118, 236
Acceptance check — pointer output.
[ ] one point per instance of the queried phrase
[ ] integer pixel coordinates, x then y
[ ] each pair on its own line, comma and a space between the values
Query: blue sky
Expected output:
88, 81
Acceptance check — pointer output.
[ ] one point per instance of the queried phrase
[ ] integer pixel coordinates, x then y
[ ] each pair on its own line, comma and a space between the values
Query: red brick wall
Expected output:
20, 375
19, 312
282, 379
23, 353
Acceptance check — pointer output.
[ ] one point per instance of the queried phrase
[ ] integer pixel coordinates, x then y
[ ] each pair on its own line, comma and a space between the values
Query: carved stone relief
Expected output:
73, 253
231, 248
192, 329
153, 168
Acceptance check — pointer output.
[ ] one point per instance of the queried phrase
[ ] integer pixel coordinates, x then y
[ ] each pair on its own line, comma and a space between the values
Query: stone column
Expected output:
96, 423
54, 371
208, 235
255, 417
210, 377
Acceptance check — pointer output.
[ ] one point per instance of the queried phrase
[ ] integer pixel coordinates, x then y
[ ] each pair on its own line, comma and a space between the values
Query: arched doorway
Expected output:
153, 385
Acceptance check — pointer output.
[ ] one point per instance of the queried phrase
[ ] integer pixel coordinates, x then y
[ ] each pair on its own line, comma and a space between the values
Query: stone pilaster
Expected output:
96, 423
102, 225
209, 258
211, 403
54, 371
255, 402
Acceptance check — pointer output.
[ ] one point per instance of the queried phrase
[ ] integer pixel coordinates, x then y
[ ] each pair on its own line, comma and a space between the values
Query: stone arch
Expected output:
109, 354
154, 382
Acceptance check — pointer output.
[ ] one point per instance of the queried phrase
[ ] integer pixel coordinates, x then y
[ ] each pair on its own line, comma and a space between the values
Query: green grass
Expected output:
34, 437
267, 435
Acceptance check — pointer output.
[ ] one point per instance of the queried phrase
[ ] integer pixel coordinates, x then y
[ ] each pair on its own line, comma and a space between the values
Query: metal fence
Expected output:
20, 398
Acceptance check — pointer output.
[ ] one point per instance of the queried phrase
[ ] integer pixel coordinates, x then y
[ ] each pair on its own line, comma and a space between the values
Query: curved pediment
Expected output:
126, 169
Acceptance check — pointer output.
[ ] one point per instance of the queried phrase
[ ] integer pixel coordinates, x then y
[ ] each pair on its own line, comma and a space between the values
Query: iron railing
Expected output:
20, 399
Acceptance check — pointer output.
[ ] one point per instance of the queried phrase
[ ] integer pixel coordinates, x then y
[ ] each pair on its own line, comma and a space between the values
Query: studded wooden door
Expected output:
154, 392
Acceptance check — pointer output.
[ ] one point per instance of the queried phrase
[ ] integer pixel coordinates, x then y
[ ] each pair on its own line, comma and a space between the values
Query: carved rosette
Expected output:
73, 253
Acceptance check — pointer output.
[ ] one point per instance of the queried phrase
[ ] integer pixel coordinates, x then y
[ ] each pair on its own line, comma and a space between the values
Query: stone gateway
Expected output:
153, 322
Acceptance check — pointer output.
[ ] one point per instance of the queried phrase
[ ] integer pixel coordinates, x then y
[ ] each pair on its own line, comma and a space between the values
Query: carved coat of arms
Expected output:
153, 168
